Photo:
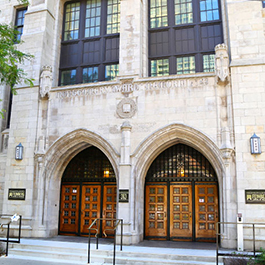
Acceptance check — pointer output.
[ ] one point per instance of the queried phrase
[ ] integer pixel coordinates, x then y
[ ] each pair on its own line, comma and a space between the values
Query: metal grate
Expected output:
89, 165
181, 163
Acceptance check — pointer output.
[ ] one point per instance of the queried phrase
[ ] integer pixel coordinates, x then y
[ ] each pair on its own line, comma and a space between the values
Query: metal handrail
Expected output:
120, 221
235, 254
7, 240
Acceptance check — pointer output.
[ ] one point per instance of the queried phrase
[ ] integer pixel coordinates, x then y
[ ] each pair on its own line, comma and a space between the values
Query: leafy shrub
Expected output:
260, 258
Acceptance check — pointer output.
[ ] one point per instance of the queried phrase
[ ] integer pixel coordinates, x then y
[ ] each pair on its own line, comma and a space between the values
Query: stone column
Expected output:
125, 182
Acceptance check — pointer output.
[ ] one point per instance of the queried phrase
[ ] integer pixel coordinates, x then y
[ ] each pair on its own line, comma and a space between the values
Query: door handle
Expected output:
165, 213
190, 214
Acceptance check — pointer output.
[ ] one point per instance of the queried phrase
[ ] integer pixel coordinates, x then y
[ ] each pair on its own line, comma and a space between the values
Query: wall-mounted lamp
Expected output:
19, 152
255, 144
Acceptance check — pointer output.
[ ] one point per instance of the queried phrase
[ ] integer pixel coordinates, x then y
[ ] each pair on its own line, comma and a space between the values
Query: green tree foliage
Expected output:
10, 58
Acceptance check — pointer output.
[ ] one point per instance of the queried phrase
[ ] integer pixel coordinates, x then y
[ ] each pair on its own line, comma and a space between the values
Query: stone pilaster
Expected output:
125, 180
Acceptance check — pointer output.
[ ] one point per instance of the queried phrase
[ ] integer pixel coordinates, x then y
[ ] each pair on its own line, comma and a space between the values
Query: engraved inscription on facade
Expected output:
127, 88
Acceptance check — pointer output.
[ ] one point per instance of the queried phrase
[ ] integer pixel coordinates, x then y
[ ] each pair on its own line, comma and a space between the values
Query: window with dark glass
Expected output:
19, 23
183, 35
263, 3
90, 45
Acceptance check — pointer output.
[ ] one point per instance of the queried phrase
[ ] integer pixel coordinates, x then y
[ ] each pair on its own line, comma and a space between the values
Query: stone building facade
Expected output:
156, 133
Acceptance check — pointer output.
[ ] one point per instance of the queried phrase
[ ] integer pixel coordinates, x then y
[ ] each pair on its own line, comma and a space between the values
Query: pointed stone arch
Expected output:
67, 146
157, 142
54, 163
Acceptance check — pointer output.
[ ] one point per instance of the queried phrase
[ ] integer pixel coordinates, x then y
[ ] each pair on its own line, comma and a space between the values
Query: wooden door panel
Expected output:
90, 206
109, 209
69, 208
206, 204
156, 211
181, 212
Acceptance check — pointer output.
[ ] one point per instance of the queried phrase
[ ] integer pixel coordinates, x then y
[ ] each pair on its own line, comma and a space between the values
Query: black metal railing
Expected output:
249, 253
7, 225
97, 223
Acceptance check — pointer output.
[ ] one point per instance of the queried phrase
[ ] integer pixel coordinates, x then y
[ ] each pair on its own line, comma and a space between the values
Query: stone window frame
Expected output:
184, 40
96, 51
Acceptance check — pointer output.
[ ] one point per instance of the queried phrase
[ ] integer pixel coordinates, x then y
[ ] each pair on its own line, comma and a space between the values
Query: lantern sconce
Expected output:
19, 152
255, 144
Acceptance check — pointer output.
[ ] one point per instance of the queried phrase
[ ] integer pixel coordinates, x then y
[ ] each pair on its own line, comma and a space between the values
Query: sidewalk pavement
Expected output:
26, 261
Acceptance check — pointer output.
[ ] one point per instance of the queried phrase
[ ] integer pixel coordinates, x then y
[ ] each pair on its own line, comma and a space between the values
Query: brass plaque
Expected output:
123, 195
16, 194
255, 196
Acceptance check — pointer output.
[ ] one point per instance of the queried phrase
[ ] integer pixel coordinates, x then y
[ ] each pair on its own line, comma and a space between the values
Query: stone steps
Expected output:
76, 253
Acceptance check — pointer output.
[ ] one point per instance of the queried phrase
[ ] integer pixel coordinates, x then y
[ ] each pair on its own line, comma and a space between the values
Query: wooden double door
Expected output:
82, 203
185, 211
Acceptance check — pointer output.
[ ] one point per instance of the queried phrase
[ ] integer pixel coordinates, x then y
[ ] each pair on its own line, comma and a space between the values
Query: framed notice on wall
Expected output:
255, 196
123, 195
16, 194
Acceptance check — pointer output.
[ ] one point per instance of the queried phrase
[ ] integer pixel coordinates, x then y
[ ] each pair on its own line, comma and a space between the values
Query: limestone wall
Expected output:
247, 44
226, 112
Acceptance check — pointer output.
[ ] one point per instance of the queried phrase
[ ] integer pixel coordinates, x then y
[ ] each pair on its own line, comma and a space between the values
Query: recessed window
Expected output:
71, 26
19, 23
113, 16
186, 65
93, 12
158, 13
183, 31
111, 71
183, 12
68, 77
90, 74
209, 10
91, 41
159, 67
208, 63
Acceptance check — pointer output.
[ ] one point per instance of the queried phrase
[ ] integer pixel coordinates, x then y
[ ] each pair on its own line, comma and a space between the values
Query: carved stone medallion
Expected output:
126, 108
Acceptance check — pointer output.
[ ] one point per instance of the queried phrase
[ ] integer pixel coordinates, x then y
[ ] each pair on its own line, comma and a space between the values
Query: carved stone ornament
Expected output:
227, 155
126, 108
221, 63
45, 81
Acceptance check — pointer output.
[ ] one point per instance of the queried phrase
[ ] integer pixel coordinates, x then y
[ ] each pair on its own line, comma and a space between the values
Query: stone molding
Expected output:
172, 134
67, 146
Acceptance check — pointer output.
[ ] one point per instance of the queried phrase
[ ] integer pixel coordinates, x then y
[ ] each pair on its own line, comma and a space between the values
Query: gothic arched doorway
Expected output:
181, 196
88, 192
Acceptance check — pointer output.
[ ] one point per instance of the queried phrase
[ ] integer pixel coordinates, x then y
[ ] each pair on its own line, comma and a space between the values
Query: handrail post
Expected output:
217, 232
118, 221
97, 232
7, 238
114, 247
19, 230
254, 245
121, 233
88, 254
